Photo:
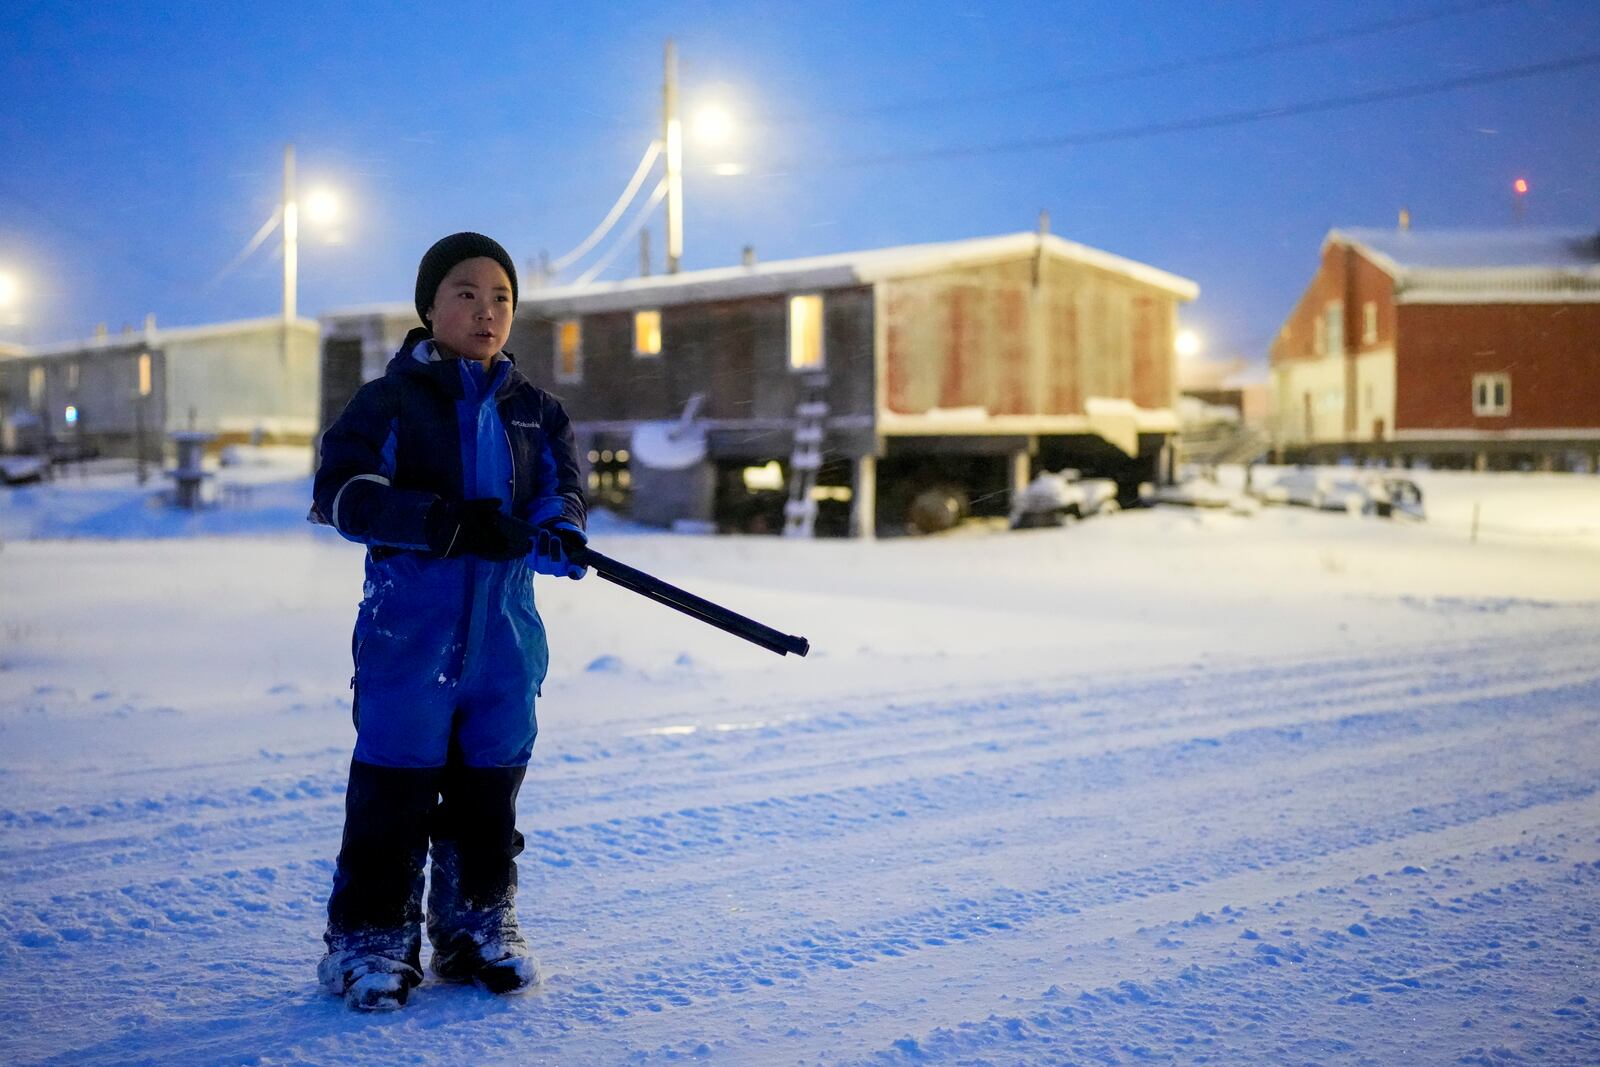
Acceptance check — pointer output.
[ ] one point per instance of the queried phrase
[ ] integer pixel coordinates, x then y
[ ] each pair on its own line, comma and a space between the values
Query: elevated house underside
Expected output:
831, 393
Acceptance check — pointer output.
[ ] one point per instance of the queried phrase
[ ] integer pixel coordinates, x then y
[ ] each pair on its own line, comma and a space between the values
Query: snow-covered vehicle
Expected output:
22, 470
1204, 491
1052, 499
1355, 492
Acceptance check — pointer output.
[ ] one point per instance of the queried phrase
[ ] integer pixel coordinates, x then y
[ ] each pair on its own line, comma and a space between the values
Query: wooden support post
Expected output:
1021, 472
864, 503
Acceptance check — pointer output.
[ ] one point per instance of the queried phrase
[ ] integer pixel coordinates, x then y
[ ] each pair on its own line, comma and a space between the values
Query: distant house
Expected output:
852, 384
253, 378
1458, 348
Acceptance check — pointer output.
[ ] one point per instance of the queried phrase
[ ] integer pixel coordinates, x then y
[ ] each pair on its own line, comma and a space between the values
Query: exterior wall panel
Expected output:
736, 352
989, 337
1551, 352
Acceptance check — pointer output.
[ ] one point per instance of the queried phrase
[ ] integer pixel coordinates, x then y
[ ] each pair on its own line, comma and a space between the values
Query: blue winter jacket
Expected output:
447, 651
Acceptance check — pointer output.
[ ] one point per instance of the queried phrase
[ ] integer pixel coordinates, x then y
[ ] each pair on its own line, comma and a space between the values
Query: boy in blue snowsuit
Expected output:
429, 466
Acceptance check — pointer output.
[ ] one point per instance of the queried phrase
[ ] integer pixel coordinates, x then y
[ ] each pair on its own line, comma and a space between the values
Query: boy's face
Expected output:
471, 313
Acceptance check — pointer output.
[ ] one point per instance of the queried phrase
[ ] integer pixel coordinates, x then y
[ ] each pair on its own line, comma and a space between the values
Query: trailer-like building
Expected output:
123, 393
840, 389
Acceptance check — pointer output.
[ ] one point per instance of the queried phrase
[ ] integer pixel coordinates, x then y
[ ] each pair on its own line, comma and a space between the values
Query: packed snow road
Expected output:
1300, 790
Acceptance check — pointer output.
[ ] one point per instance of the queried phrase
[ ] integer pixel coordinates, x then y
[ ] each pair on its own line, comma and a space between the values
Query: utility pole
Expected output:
291, 235
672, 139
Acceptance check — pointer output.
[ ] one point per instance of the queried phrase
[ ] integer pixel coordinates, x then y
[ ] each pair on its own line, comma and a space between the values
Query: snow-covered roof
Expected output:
1469, 266
160, 336
832, 271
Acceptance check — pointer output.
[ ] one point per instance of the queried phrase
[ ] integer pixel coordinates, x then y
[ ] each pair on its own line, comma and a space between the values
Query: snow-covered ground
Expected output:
1169, 786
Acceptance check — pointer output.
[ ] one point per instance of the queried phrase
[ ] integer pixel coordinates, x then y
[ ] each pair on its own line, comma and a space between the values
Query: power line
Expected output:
250, 246
627, 235
1228, 118
614, 214
1256, 51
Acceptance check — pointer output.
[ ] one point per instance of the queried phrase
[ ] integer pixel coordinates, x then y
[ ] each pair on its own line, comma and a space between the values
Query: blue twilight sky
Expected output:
143, 141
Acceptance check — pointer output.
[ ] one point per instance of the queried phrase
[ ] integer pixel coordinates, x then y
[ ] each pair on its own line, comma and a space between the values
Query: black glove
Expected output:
476, 528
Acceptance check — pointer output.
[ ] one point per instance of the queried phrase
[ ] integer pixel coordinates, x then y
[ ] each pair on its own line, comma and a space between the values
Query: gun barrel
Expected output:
648, 585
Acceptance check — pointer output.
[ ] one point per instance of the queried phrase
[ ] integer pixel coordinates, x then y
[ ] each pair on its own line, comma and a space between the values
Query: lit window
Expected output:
647, 333
1369, 322
805, 332
769, 477
569, 351
144, 374
35, 386
1491, 394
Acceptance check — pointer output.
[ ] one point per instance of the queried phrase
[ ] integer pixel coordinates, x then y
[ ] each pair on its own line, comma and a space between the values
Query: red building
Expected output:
1459, 347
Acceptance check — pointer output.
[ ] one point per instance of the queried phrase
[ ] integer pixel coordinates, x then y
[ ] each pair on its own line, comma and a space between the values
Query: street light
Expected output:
713, 125
10, 299
1186, 344
322, 206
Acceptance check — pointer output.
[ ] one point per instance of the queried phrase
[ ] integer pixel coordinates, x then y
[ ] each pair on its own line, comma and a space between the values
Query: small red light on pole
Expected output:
1521, 186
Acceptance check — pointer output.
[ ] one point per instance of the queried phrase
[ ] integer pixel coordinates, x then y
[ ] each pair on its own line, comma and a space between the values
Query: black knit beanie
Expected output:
445, 254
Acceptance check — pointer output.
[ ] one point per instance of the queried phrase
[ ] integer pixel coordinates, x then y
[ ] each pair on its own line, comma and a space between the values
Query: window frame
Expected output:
821, 363
1369, 322
561, 375
1333, 338
1484, 385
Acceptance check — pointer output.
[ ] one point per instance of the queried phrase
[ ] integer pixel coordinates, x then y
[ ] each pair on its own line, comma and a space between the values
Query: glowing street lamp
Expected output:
1186, 344
322, 207
713, 125
10, 299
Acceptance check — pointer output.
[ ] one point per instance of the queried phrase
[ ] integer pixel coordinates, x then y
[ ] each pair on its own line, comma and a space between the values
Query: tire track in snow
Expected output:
42, 853
667, 982
602, 1002
554, 795
201, 905
1411, 974
1202, 696
693, 833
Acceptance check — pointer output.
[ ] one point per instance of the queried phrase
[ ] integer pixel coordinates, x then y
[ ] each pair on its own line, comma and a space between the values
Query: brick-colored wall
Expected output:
1343, 274
988, 336
1551, 352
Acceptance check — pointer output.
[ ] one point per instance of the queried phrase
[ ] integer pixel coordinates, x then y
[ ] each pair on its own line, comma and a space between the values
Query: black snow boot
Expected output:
472, 914
375, 912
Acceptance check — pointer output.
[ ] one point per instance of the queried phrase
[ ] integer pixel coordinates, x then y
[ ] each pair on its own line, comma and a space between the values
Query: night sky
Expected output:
143, 142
